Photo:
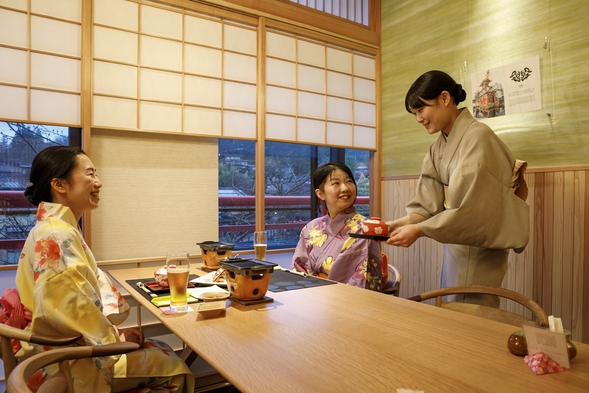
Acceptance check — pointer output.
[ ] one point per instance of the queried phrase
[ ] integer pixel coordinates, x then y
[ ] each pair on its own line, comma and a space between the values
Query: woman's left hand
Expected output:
131, 335
405, 236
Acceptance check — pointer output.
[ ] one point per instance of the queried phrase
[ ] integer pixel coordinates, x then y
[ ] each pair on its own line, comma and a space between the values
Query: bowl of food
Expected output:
374, 228
161, 277
214, 296
211, 309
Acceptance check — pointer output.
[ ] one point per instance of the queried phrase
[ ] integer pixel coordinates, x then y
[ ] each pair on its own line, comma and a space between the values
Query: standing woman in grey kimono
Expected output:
470, 195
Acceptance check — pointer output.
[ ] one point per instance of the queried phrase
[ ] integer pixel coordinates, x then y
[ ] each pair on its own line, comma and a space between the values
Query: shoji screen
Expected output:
165, 69
40, 52
319, 94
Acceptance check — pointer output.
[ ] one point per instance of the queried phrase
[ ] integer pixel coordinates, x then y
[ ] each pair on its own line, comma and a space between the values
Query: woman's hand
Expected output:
131, 335
405, 235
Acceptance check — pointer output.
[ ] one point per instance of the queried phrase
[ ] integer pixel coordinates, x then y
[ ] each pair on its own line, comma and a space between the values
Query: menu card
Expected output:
553, 344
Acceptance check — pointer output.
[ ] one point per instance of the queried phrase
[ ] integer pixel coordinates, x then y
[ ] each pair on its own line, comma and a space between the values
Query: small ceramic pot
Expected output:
518, 346
375, 226
161, 277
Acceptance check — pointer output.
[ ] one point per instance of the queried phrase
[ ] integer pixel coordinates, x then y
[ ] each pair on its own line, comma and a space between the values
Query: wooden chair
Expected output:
60, 382
392, 283
8, 332
539, 316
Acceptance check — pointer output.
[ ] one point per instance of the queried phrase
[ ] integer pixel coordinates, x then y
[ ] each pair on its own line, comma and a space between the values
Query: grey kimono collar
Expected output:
463, 121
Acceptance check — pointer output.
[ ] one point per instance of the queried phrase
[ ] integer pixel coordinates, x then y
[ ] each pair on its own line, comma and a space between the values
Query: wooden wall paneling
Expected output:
579, 245
546, 252
530, 256
568, 219
557, 226
585, 273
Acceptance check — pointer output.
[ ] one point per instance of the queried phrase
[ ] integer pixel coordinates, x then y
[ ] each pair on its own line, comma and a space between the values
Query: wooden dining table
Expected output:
339, 338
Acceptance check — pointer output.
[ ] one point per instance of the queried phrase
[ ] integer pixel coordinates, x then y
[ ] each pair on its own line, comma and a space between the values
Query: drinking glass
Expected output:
260, 244
178, 268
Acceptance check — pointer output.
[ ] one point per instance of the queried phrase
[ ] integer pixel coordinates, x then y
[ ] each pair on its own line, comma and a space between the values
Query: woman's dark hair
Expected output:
55, 162
429, 86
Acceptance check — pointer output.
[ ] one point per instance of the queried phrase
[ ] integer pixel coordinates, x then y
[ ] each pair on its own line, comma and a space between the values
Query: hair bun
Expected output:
459, 94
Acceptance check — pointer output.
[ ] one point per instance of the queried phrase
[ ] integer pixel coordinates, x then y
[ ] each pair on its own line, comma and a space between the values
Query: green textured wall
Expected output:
418, 36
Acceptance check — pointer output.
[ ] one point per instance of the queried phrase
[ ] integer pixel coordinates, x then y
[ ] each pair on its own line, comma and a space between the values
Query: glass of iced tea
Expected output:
178, 269
260, 244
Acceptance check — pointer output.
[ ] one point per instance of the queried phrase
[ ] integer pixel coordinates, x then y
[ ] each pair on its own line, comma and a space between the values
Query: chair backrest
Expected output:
7, 333
539, 316
62, 381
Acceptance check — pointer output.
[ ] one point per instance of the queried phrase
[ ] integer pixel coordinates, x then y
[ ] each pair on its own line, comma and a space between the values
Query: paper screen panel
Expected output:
280, 100
203, 31
364, 89
311, 53
13, 67
239, 67
125, 17
114, 112
202, 121
280, 127
364, 113
339, 109
311, 78
240, 39
160, 53
14, 29
115, 45
54, 107
239, 124
62, 9
160, 85
202, 91
53, 72
115, 79
339, 60
22, 5
364, 137
279, 72
279, 45
55, 36
13, 102
156, 116
339, 134
239, 96
364, 66
311, 131
311, 105
202, 61
159, 22
155, 194
339, 84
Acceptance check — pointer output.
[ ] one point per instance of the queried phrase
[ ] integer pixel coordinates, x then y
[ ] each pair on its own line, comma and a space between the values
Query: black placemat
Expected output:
285, 281
133, 283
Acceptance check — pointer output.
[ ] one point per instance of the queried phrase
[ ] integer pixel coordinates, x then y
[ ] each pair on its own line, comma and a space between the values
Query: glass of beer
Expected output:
178, 269
260, 244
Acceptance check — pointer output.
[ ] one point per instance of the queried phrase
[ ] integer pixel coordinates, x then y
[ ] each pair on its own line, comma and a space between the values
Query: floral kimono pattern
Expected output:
67, 294
325, 248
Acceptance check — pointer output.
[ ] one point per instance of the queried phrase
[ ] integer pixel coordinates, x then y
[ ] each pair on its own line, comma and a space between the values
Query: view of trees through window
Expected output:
19, 143
289, 199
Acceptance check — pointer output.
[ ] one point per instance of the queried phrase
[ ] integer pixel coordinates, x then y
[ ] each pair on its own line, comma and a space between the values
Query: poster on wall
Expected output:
505, 90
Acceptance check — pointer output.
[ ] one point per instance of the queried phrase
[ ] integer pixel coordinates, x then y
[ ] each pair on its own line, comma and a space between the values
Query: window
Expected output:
19, 143
352, 10
289, 198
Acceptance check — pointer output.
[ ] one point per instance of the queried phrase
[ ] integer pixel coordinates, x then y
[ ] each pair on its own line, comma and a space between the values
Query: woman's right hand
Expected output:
131, 335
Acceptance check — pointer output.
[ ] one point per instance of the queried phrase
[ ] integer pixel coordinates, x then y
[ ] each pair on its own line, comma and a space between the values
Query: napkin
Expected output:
540, 363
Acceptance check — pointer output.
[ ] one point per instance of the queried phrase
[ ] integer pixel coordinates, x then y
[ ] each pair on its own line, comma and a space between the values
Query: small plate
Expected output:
214, 296
207, 279
211, 309
377, 238
156, 288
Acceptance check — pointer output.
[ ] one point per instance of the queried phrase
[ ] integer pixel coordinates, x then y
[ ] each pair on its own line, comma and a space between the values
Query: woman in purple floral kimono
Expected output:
325, 248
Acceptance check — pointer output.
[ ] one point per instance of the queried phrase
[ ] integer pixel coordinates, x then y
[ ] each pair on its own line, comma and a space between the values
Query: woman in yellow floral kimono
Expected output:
60, 284
325, 247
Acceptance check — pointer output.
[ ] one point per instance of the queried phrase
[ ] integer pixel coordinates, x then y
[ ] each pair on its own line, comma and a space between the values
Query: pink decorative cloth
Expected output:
540, 363
13, 313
